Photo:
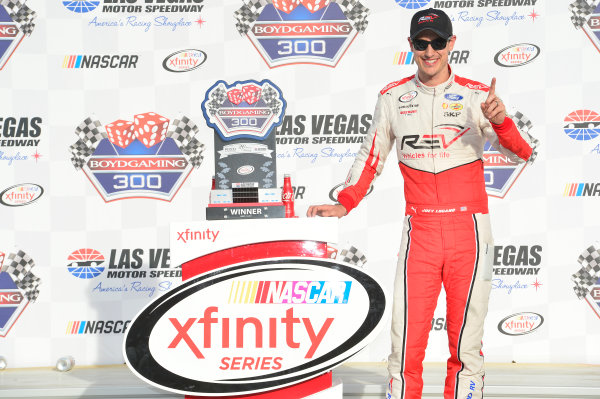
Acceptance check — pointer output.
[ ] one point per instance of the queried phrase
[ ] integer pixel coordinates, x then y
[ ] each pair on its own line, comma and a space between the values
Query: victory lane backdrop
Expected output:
100, 259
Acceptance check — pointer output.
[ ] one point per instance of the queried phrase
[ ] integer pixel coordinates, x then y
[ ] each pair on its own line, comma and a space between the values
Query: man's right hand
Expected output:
336, 210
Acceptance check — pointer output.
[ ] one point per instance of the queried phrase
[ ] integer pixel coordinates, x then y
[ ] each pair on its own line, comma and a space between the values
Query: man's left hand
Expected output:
493, 108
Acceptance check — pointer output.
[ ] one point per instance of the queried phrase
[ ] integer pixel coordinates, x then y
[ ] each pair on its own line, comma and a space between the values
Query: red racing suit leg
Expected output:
453, 250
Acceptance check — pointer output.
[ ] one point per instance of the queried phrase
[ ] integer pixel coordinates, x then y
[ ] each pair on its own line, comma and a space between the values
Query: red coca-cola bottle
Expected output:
287, 196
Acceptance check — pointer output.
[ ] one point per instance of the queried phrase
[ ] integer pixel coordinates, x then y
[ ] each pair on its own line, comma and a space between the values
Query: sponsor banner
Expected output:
19, 139
481, 12
520, 323
193, 238
16, 22
143, 158
517, 269
586, 15
138, 15
322, 138
583, 125
301, 32
230, 322
132, 272
81, 61
517, 55
96, 327
455, 57
582, 190
184, 60
587, 278
18, 287
21, 194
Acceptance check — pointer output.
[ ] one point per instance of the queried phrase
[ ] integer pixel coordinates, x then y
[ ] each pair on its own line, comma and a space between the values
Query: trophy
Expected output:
243, 115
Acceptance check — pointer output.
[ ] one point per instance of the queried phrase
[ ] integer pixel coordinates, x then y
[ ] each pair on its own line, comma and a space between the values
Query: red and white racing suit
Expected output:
440, 134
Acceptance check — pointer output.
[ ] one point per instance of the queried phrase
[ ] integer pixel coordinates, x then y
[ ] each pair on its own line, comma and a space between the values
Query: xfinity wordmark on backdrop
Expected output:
477, 13
287, 32
139, 15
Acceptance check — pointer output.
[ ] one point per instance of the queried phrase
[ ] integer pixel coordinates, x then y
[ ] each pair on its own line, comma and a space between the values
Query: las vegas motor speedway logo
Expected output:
499, 170
140, 159
585, 15
138, 14
18, 287
289, 32
259, 320
587, 278
16, 22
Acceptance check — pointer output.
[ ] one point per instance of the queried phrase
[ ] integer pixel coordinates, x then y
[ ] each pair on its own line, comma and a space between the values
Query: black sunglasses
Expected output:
436, 44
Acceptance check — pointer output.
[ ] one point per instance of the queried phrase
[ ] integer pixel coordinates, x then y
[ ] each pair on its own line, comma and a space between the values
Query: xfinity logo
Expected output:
184, 60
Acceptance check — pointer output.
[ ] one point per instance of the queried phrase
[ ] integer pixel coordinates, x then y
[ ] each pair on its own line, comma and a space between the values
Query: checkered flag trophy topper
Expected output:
524, 125
247, 14
22, 15
19, 268
581, 10
589, 273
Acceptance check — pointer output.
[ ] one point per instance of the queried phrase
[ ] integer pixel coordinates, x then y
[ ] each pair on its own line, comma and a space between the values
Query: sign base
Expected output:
314, 386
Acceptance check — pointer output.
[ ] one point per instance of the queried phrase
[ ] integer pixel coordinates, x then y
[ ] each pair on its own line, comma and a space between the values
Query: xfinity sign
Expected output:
255, 326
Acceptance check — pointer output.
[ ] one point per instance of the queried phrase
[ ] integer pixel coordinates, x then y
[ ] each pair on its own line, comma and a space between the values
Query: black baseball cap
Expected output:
432, 19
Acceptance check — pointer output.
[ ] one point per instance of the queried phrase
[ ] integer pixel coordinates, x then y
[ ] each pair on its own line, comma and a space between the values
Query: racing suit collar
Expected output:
435, 89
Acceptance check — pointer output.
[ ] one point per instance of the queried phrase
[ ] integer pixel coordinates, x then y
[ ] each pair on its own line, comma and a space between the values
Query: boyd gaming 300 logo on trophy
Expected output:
243, 116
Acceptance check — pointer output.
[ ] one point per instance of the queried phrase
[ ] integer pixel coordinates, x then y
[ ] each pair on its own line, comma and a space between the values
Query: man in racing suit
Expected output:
439, 123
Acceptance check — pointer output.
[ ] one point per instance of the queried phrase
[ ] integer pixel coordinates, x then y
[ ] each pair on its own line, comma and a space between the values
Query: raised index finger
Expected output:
492, 88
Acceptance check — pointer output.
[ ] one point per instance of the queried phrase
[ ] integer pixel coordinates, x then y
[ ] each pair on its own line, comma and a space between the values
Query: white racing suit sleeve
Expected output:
369, 161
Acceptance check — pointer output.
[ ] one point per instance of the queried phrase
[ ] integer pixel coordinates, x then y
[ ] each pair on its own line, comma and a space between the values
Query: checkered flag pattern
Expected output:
217, 98
248, 13
271, 98
356, 13
88, 132
524, 125
353, 256
183, 130
22, 15
194, 150
581, 10
13, 6
589, 273
80, 153
19, 268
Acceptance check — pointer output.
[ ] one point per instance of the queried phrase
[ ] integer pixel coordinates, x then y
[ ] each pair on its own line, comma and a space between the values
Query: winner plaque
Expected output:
243, 116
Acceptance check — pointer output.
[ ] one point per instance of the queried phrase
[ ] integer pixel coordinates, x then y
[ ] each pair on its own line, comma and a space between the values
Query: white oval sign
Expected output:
517, 55
520, 323
184, 60
21, 194
255, 326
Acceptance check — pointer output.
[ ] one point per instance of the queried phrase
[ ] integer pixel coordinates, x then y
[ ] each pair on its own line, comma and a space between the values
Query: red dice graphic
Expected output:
315, 5
150, 128
251, 93
286, 6
235, 96
120, 132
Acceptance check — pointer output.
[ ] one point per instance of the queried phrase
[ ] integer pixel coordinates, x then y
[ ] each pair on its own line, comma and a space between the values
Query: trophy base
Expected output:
245, 211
